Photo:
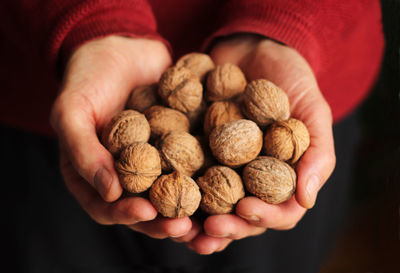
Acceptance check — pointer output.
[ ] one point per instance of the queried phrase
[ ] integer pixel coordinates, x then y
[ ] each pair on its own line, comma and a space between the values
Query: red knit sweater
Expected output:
342, 40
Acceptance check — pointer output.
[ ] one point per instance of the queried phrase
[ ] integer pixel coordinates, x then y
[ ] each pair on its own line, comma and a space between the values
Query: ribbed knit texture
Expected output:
342, 41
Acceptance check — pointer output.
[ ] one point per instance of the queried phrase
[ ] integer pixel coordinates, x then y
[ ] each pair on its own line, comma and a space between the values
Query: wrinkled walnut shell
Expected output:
164, 120
270, 179
180, 89
180, 151
225, 82
138, 167
175, 195
220, 112
287, 140
236, 143
125, 128
143, 97
199, 63
222, 188
264, 102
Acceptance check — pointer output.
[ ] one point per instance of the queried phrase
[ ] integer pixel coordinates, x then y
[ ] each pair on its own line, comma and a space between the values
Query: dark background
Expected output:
370, 240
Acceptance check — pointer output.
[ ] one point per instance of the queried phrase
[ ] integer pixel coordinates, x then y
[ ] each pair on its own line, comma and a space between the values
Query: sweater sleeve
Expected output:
55, 28
342, 40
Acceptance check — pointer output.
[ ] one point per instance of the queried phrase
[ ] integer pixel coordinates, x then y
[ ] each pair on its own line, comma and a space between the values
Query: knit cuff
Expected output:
288, 25
96, 19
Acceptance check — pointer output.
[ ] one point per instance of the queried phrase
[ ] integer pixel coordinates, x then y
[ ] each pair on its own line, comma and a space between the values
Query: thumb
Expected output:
319, 160
77, 135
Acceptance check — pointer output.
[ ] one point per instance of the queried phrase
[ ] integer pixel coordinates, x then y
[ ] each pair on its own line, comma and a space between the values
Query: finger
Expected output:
194, 231
318, 162
125, 211
259, 213
223, 245
77, 134
230, 226
204, 244
161, 227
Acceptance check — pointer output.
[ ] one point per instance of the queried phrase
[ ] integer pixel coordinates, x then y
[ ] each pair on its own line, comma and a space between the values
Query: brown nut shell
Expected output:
264, 102
220, 112
236, 143
138, 167
180, 89
125, 128
199, 63
164, 120
225, 82
143, 97
182, 152
270, 179
287, 140
222, 188
175, 195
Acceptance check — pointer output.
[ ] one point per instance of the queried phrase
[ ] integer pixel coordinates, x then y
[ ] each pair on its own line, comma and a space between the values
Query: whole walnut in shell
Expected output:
143, 97
222, 188
175, 195
199, 63
224, 82
138, 166
164, 120
264, 102
180, 151
270, 179
220, 112
125, 128
236, 143
180, 89
287, 140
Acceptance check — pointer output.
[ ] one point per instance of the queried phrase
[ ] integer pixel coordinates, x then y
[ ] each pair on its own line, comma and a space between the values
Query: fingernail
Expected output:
219, 235
102, 181
311, 190
177, 235
251, 218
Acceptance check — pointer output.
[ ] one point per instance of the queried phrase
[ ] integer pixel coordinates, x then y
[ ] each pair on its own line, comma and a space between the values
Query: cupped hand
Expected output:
97, 81
263, 58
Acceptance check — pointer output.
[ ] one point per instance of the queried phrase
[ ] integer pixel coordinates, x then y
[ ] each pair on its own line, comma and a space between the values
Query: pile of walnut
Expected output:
171, 135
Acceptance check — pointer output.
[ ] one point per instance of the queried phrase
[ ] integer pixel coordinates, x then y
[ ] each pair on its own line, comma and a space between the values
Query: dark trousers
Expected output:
47, 231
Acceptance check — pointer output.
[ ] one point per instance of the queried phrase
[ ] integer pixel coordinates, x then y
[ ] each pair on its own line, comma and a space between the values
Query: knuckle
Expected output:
329, 161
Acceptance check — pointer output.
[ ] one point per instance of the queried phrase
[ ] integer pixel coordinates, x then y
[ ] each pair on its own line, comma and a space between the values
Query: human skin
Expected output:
97, 81
263, 58
96, 85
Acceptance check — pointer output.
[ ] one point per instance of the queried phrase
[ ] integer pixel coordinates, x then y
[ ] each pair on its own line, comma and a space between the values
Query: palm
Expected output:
263, 58
97, 82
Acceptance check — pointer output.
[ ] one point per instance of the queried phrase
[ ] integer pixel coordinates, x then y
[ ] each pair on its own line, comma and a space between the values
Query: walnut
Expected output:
175, 195
180, 151
180, 89
222, 188
125, 128
200, 64
143, 97
264, 102
220, 112
287, 140
224, 82
138, 166
236, 143
270, 179
163, 120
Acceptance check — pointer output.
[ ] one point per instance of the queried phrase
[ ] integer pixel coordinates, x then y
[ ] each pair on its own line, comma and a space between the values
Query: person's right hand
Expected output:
97, 81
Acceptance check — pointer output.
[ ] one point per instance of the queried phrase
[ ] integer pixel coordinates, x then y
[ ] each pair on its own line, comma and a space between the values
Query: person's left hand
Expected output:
263, 58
